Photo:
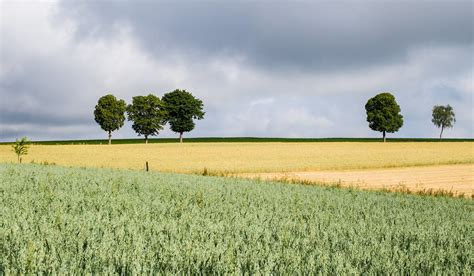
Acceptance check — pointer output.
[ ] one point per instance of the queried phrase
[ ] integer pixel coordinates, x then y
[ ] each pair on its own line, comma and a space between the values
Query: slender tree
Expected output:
110, 114
182, 109
383, 114
20, 147
147, 114
443, 117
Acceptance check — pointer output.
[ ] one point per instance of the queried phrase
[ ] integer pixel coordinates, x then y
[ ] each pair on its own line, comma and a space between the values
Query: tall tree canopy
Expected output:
109, 113
443, 117
383, 114
147, 114
182, 108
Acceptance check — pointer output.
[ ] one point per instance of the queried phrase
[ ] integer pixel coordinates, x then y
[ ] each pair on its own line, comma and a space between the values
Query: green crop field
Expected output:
73, 220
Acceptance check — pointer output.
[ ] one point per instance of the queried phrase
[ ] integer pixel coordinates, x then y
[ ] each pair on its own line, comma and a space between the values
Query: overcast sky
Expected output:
272, 69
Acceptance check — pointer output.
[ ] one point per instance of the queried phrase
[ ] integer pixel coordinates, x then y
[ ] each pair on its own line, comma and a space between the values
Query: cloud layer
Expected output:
264, 68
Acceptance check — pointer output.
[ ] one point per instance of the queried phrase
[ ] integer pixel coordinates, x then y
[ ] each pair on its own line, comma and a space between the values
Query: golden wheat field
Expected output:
370, 165
250, 157
453, 179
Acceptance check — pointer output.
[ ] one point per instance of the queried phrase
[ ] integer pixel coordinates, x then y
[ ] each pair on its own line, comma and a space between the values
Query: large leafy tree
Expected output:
109, 113
147, 114
443, 117
383, 114
182, 109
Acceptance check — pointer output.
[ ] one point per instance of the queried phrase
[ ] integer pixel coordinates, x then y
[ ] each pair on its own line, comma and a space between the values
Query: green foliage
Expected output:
20, 147
182, 108
383, 113
109, 113
147, 114
443, 117
57, 220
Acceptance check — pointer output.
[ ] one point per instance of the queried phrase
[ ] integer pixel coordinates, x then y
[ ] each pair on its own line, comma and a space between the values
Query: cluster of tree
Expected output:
149, 114
383, 115
180, 108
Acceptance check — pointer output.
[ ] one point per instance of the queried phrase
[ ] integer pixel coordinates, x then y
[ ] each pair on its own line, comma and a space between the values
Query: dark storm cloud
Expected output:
42, 94
287, 68
44, 119
332, 35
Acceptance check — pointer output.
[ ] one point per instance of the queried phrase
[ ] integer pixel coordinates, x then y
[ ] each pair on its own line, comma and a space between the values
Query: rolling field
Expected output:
369, 165
251, 157
71, 220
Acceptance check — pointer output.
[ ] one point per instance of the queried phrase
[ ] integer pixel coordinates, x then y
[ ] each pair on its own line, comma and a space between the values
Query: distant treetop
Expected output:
443, 117
182, 109
147, 114
383, 114
109, 114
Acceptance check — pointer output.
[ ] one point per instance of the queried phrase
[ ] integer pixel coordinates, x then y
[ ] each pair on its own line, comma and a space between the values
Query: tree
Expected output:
110, 114
443, 117
182, 108
383, 114
147, 114
21, 147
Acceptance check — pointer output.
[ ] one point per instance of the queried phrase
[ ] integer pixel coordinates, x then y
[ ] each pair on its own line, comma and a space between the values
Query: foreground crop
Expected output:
58, 220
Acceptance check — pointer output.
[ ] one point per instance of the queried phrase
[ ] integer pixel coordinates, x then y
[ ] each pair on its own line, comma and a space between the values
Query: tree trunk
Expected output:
384, 138
180, 137
146, 139
441, 134
110, 137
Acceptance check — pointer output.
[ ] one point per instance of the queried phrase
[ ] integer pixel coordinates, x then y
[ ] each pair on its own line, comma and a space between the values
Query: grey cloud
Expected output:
42, 93
47, 132
21, 117
289, 35
262, 69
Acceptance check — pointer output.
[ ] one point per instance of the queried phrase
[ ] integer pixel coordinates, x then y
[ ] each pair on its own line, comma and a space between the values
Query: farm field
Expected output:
72, 220
250, 157
369, 165
455, 179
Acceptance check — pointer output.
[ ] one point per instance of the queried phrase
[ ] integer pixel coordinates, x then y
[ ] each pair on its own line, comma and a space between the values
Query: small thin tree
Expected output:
21, 147
443, 117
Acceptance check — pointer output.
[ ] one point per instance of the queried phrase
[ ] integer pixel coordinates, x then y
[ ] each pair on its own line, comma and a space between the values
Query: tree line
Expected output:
180, 108
149, 114
383, 115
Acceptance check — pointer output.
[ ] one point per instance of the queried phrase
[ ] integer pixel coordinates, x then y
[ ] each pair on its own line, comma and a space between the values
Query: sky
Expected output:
262, 68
